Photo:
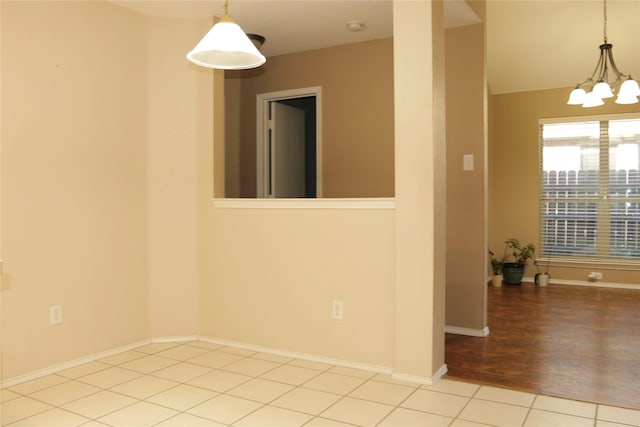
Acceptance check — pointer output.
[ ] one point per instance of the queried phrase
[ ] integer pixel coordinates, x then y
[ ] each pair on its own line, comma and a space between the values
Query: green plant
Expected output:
520, 253
496, 264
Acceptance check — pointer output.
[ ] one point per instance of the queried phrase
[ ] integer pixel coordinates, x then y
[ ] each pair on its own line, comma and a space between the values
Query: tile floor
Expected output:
202, 384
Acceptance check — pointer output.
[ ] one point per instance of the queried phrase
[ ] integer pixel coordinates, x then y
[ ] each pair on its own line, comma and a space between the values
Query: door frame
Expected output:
262, 134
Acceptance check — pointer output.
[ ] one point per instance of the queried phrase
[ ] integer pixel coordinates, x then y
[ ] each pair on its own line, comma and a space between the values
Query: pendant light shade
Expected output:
628, 91
226, 47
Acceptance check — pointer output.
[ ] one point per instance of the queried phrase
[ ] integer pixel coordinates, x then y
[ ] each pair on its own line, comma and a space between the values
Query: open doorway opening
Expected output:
289, 144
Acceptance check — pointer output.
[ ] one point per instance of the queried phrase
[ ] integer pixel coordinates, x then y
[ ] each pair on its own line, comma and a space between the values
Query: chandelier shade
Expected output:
594, 90
226, 47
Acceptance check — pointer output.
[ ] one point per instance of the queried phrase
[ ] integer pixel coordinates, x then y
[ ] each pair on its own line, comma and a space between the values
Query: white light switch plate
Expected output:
467, 162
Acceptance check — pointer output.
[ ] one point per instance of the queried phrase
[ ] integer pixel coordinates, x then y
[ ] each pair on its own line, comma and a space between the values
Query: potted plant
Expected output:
496, 270
542, 278
520, 254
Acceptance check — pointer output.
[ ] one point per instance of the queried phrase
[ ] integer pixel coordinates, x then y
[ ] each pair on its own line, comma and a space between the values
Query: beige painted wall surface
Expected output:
73, 181
513, 161
466, 117
420, 188
175, 126
276, 271
357, 114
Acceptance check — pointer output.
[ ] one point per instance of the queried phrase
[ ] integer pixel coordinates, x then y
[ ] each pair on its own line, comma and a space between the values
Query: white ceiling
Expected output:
531, 44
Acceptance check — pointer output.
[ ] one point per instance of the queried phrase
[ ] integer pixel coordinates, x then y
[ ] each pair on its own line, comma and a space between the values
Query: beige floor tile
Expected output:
225, 409
325, 422
156, 347
216, 359
182, 372
82, 370
182, 352
141, 414
94, 423
65, 392
464, 423
251, 367
334, 383
260, 390
205, 345
433, 402
539, 418
618, 415
120, 358
358, 373
318, 366
608, 424
38, 384
182, 397
409, 417
237, 351
358, 412
148, 364
288, 374
187, 420
219, 381
52, 418
306, 400
503, 395
110, 377
565, 406
20, 408
272, 416
272, 357
494, 413
382, 392
7, 395
99, 404
144, 386
454, 387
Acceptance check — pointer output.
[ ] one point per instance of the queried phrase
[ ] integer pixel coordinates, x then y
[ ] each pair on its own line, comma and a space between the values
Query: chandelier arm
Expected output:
596, 72
619, 75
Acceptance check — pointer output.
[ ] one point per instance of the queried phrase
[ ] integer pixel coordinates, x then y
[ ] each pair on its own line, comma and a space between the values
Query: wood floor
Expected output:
581, 343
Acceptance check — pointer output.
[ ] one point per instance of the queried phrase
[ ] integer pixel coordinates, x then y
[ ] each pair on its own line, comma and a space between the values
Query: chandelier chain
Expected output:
605, 21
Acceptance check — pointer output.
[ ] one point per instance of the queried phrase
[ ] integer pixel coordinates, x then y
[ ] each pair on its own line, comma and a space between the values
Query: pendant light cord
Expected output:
226, 9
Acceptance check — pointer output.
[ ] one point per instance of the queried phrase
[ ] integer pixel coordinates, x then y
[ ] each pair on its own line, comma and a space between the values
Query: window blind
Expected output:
590, 189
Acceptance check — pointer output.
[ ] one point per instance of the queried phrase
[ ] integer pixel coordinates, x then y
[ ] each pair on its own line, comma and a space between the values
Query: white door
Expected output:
287, 141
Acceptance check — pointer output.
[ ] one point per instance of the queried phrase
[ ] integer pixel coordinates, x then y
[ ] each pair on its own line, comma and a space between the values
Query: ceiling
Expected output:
531, 44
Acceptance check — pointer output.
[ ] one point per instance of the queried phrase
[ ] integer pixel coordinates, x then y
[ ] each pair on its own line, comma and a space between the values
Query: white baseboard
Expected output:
72, 364
594, 284
186, 338
303, 356
421, 380
467, 331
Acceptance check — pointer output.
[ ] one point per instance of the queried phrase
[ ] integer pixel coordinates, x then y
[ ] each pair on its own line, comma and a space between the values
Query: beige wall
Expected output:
513, 162
357, 114
73, 181
106, 207
466, 190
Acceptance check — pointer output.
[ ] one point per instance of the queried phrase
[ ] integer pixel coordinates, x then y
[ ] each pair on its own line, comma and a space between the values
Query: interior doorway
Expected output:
289, 144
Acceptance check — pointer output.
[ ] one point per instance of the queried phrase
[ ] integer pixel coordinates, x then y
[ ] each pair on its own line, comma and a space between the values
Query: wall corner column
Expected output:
420, 189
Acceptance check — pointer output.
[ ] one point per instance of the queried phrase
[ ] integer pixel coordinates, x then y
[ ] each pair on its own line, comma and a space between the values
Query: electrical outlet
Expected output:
55, 315
595, 275
337, 310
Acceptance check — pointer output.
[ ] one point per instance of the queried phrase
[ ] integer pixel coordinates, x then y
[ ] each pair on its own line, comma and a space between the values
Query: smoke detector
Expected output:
355, 26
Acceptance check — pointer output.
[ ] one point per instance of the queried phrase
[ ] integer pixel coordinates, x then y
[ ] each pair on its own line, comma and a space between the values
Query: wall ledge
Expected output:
373, 203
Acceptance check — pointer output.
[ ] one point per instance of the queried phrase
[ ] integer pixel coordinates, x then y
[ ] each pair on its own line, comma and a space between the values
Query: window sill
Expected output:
604, 264
375, 203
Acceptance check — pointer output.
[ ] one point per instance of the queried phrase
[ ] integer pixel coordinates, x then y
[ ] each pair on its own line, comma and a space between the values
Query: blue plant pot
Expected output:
512, 273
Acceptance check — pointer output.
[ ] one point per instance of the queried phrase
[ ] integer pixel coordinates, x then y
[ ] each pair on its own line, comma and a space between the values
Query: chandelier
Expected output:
598, 83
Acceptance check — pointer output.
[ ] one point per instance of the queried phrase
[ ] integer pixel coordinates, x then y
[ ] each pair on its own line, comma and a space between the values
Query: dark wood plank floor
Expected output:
581, 343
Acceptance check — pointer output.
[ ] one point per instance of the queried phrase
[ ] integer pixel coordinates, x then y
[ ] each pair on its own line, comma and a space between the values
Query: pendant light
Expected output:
226, 47
628, 91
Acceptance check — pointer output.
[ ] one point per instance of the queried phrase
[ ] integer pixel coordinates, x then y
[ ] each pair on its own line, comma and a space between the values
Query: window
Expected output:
590, 188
